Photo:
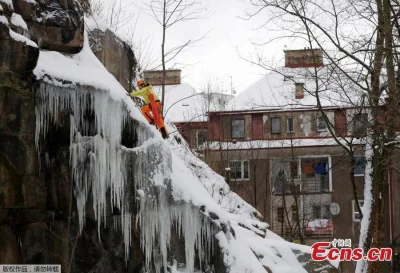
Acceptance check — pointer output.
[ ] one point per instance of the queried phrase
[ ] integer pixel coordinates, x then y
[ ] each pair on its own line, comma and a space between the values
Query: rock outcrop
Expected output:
53, 25
115, 54
38, 219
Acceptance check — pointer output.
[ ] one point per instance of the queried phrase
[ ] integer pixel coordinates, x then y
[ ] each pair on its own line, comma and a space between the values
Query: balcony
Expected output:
319, 228
305, 185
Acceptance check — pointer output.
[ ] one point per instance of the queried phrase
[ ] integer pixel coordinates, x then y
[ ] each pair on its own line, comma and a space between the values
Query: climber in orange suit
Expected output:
145, 91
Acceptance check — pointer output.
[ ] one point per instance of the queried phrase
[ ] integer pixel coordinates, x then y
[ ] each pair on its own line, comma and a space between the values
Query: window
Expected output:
321, 125
290, 124
321, 212
237, 128
316, 212
276, 125
280, 214
315, 174
360, 124
299, 90
201, 137
356, 213
239, 170
359, 166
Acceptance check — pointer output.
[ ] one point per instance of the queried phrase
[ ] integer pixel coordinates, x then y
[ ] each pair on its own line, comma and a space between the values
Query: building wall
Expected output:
189, 131
258, 126
258, 191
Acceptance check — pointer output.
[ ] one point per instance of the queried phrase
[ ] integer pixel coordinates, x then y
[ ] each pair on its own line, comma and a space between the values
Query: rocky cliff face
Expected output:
68, 182
38, 213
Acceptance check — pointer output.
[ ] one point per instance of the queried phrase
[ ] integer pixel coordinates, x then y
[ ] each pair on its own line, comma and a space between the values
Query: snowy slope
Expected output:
252, 236
167, 166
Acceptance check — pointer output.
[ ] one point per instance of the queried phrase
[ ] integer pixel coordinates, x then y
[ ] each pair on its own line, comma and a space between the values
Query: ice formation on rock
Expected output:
99, 164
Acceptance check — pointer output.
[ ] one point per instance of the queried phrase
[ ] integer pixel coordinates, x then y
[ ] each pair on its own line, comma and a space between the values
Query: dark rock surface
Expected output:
53, 25
116, 55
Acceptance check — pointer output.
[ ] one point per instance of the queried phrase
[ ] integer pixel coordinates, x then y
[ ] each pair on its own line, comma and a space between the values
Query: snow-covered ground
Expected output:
246, 243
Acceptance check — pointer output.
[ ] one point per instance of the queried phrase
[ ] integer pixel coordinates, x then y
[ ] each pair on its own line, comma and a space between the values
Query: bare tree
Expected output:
168, 13
365, 58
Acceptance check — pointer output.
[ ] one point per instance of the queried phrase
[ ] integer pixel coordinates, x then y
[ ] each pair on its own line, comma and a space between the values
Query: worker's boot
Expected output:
164, 133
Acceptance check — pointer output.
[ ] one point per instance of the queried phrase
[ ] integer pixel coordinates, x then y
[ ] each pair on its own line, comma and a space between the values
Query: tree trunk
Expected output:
163, 57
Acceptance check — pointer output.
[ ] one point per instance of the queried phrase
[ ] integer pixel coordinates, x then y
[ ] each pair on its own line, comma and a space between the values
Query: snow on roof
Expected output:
183, 104
276, 90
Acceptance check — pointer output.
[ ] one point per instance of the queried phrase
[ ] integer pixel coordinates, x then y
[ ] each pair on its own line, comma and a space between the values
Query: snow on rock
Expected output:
9, 3
213, 182
3, 20
17, 21
254, 245
22, 38
22, 27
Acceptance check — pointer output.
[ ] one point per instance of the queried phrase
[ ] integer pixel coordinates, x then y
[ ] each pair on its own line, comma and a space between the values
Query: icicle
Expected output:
99, 166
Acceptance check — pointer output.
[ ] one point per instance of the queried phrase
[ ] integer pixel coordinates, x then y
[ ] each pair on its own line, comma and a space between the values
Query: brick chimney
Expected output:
155, 77
303, 58
299, 91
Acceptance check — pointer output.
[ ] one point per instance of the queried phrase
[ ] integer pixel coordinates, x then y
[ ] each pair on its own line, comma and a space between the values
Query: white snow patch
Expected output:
276, 91
17, 21
3, 20
9, 3
270, 144
92, 24
368, 198
23, 39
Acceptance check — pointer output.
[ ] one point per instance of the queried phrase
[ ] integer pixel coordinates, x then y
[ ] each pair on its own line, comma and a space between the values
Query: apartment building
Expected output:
285, 157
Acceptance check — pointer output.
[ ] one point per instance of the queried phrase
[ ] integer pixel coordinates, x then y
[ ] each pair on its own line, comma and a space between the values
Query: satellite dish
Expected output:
334, 208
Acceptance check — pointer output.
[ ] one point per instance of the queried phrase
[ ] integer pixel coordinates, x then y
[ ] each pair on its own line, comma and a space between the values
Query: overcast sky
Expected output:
217, 57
